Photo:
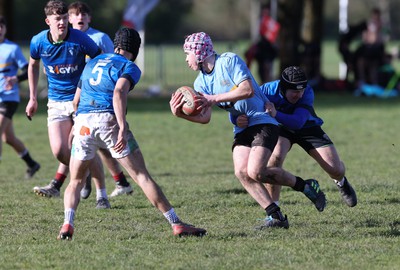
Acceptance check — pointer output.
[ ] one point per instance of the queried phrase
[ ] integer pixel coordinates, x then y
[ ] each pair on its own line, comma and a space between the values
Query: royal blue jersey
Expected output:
98, 82
229, 71
11, 59
63, 62
272, 92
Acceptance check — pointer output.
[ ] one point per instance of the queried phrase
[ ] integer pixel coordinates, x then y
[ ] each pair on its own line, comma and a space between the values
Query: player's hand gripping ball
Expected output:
191, 105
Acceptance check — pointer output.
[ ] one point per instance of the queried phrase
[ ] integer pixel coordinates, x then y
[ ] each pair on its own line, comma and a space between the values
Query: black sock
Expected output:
274, 211
300, 184
28, 160
120, 180
56, 184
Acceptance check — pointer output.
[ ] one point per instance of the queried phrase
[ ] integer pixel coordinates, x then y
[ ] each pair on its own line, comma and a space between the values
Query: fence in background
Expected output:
165, 68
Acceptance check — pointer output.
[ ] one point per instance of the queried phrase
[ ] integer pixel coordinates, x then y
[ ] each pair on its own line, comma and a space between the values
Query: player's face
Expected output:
58, 24
79, 21
3, 31
192, 61
294, 95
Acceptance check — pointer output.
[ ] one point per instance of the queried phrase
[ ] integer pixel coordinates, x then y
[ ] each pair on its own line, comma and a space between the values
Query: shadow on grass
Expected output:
185, 174
232, 191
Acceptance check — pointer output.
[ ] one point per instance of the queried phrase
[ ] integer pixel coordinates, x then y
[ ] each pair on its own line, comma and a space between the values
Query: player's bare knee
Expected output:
241, 173
275, 161
336, 172
257, 175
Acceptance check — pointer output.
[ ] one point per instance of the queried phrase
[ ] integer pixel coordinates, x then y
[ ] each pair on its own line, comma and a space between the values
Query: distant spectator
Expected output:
371, 52
349, 57
265, 50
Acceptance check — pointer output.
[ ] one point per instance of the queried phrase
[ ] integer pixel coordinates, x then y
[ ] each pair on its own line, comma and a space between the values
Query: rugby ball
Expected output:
191, 106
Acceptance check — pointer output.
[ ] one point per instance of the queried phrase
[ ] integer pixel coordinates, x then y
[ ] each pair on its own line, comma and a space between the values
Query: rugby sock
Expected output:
27, 158
171, 216
101, 193
274, 211
299, 185
120, 179
59, 180
69, 215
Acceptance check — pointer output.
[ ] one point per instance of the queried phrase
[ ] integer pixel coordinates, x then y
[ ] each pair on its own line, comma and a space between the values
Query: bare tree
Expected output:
290, 13
301, 34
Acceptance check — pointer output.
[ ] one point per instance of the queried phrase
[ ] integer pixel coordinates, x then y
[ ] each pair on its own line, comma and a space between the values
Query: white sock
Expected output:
101, 193
69, 216
276, 202
339, 183
23, 153
171, 216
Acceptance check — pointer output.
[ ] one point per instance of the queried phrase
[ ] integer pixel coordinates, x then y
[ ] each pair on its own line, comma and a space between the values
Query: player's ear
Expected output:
47, 21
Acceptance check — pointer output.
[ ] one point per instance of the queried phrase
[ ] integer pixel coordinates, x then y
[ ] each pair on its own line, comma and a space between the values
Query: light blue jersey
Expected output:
98, 82
11, 60
63, 61
229, 71
101, 39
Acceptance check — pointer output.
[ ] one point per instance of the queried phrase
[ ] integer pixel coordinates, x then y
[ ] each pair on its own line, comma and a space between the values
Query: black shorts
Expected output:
8, 108
307, 138
265, 135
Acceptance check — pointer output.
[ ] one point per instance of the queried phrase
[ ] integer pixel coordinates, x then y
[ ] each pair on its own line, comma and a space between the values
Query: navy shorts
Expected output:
265, 135
307, 138
8, 108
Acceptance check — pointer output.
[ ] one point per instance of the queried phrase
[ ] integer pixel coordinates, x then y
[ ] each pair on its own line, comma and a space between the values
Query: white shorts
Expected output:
58, 111
98, 130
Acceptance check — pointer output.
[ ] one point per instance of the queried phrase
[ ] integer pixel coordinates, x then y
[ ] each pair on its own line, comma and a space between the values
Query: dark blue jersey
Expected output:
98, 82
63, 62
304, 108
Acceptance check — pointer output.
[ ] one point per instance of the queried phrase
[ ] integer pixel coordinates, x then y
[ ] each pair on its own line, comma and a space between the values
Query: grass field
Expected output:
192, 163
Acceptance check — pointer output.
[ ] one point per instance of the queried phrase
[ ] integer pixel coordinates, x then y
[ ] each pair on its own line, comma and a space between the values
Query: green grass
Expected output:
193, 165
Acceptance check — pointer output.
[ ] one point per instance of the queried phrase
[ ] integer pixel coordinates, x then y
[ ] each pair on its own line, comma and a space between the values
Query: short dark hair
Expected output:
79, 7
3, 20
57, 7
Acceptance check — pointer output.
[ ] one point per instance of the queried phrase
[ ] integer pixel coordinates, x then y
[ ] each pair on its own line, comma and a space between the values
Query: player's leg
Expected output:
264, 138
78, 171
320, 147
134, 164
83, 158
276, 160
257, 189
10, 138
122, 186
59, 134
3, 124
328, 158
7, 110
97, 174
